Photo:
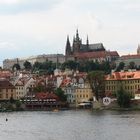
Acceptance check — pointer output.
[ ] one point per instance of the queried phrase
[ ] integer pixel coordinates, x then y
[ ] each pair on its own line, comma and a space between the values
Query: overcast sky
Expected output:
31, 27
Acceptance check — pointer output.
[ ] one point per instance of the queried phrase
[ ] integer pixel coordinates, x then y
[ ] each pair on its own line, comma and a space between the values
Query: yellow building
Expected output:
129, 81
7, 90
83, 94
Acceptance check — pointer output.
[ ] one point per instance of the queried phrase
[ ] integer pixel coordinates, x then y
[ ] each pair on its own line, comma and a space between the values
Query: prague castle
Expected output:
95, 52
79, 47
77, 52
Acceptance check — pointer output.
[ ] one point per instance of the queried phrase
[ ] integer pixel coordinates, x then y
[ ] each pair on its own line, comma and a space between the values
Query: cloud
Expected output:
9, 1
132, 6
41, 26
8, 46
12, 7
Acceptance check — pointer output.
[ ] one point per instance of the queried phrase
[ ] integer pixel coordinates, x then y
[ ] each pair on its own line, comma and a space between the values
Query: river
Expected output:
70, 125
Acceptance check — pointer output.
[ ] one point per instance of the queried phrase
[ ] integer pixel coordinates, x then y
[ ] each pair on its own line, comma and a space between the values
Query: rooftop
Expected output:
123, 75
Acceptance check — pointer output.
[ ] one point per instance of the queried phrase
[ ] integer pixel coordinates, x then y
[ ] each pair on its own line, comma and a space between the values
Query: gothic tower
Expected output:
77, 42
138, 49
68, 50
87, 44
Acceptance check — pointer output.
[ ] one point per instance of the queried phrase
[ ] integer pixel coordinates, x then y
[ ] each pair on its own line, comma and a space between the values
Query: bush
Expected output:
60, 93
18, 104
123, 98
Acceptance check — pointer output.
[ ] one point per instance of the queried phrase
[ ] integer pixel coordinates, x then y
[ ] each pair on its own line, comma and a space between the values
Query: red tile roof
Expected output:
113, 53
5, 74
65, 82
133, 56
91, 54
42, 96
123, 75
5, 84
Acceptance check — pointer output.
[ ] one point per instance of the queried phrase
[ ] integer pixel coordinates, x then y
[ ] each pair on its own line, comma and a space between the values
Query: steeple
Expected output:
77, 42
87, 44
68, 41
77, 35
68, 47
138, 49
87, 41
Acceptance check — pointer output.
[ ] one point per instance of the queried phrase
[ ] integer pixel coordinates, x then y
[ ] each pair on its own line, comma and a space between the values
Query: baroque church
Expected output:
87, 51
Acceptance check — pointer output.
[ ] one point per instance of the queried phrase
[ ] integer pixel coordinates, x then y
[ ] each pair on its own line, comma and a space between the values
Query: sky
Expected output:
34, 27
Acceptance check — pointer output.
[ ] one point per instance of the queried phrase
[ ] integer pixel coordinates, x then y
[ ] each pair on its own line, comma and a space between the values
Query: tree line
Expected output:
48, 67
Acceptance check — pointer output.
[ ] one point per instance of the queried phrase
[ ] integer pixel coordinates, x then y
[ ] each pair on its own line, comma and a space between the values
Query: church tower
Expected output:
87, 44
138, 49
77, 42
68, 50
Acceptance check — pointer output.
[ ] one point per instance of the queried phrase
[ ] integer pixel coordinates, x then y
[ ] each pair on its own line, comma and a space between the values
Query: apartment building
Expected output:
128, 80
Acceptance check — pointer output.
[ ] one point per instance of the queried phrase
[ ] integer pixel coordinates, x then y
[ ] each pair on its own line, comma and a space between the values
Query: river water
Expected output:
70, 125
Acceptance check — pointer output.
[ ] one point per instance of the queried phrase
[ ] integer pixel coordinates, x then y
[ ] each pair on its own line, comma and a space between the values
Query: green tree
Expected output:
39, 88
36, 66
18, 104
97, 83
46, 67
132, 65
27, 65
120, 66
16, 66
70, 65
60, 93
105, 66
123, 98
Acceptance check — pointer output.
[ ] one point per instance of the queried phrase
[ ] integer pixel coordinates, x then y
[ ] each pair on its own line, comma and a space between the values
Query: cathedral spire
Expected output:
68, 46
77, 32
87, 41
68, 41
138, 49
77, 35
